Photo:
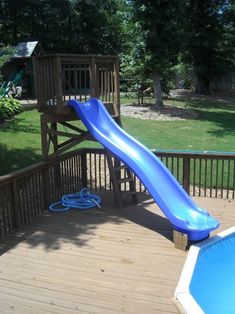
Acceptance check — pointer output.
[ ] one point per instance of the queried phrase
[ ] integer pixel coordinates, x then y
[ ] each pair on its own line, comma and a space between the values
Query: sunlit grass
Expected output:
213, 130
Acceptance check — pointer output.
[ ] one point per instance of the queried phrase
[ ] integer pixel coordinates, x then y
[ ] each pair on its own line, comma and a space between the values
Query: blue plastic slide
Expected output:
175, 203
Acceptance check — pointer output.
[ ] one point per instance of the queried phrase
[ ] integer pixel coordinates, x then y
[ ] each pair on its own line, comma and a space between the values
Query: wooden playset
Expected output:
59, 78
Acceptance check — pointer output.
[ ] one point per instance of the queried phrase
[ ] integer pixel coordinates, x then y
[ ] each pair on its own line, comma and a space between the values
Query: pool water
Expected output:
213, 280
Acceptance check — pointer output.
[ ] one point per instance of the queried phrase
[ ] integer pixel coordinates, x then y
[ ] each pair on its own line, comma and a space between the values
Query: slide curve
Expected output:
177, 206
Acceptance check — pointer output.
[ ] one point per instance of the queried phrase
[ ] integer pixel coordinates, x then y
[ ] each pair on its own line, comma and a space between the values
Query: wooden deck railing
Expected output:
204, 174
200, 173
26, 193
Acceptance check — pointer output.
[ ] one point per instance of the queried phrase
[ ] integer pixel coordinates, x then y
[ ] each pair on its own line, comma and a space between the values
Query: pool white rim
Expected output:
182, 293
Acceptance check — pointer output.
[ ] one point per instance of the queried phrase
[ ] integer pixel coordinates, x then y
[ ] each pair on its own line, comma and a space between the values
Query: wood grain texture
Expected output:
104, 260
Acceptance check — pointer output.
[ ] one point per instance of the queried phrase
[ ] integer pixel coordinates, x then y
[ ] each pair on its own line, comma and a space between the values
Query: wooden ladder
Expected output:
120, 174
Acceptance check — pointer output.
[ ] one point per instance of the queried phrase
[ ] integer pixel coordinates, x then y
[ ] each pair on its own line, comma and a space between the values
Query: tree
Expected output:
6, 53
160, 24
43, 20
210, 38
69, 26
132, 53
96, 26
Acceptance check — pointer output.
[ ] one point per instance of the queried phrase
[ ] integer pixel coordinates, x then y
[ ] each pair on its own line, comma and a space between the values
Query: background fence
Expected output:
26, 193
225, 83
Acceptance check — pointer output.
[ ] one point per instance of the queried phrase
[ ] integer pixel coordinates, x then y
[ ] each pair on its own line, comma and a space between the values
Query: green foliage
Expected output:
161, 23
154, 43
96, 26
168, 81
184, 71
9, 107
210, 39
201, 32
75, 26
147, 35
5, 55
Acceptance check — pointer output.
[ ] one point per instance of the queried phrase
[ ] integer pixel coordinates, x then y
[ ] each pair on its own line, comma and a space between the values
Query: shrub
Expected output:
9, 107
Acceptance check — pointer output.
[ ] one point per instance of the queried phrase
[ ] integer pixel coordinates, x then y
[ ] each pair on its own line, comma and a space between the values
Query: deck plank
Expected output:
99, 261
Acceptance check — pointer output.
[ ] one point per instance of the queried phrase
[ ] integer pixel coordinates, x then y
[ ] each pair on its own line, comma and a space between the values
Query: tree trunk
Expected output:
157, 90
202, 84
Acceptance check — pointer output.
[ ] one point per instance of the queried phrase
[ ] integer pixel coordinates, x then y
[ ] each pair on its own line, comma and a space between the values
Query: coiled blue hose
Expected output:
81, 200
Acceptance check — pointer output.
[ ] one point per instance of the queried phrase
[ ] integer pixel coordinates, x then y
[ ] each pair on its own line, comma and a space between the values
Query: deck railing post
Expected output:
117, 86
94, 78
15, 203
46, 187
18, 204
58, 84
84, 169
186, 173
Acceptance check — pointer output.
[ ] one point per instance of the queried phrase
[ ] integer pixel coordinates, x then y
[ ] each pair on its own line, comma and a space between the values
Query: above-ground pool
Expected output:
207, 282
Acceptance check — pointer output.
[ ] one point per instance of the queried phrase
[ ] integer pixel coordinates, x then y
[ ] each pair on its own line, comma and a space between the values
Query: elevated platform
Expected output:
59, 78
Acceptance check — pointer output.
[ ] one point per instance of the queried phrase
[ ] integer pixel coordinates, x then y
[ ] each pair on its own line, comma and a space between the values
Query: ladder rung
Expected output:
124, 180
115, 116
120, 167
114, 168
133, 193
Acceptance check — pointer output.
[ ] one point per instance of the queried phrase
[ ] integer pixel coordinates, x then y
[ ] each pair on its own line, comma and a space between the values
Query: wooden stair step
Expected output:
132, 193
115, 167
124, 180
115, 116
120, 168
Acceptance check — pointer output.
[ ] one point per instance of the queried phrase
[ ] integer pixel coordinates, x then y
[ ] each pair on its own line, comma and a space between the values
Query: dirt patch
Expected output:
171, 113
147, 112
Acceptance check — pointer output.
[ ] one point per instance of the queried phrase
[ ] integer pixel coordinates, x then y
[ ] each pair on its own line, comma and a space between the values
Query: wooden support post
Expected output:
84, 169
16, 217
186, 174
55, 136
117, 87
50, 134
114, 180
58, 84
44, 140
56, 167
94, 79
34, 78
181, 240
46, 187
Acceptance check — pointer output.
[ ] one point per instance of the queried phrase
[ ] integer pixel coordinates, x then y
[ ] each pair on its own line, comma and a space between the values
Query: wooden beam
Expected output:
72, 127
62, 147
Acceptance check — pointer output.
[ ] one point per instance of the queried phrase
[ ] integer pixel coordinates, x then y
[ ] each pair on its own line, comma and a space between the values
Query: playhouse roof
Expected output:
25, 49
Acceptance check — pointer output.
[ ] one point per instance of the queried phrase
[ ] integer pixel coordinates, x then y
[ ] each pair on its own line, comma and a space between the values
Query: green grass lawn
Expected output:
214, 129
20, 142
197, 134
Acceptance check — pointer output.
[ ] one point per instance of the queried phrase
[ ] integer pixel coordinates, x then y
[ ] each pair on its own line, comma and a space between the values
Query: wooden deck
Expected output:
97, 261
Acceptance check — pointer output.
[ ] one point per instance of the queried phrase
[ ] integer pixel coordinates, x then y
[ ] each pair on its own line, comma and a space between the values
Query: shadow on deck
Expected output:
96, 261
